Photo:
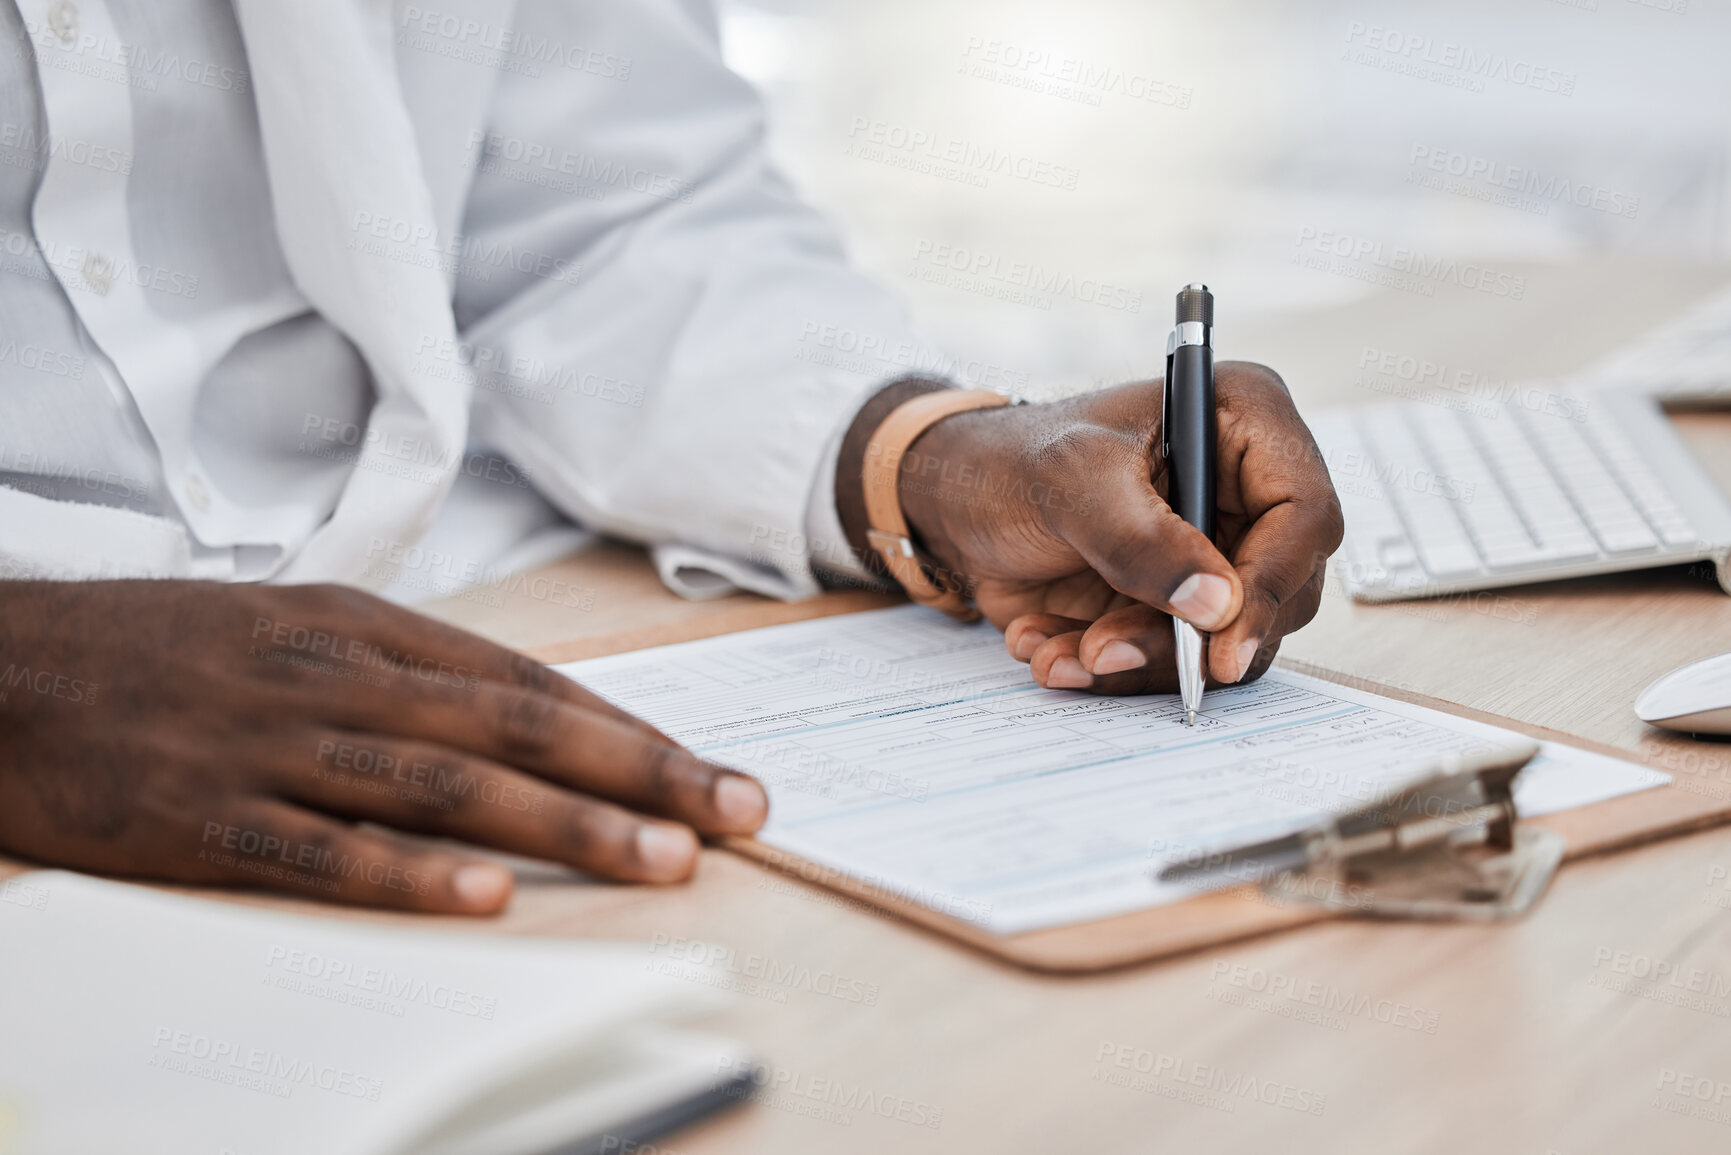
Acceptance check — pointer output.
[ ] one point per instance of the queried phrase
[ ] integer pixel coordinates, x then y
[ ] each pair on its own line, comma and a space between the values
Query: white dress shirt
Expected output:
290, 291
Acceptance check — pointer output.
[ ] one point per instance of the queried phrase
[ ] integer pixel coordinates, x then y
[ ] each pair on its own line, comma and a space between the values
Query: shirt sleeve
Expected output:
665, 337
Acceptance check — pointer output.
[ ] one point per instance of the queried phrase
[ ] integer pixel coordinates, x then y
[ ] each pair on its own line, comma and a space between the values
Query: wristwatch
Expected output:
925, 581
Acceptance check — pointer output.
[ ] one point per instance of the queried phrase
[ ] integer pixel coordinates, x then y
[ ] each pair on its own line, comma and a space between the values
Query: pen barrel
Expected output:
1190, 436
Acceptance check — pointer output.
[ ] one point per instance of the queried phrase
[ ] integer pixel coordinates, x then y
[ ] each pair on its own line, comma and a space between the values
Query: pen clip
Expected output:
1166, 404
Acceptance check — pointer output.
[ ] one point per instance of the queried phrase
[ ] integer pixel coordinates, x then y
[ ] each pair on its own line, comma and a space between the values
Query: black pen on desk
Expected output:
1187, 441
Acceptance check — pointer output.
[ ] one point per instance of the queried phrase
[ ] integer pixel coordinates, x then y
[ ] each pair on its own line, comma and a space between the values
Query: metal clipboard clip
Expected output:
1443, 845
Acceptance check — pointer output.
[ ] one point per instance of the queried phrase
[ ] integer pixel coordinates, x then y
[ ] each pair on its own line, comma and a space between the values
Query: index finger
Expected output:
1273, 475
582, 749
435, 683
409, 638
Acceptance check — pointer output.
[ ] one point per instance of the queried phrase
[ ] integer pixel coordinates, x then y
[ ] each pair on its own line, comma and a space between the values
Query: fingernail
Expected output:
1246, 655
1026, 643
740, 802
1117, 656
481, 885
1067, 674
666, 850
1202, 600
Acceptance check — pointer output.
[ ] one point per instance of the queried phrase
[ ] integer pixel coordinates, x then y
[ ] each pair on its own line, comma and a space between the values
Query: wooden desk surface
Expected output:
1533, 1037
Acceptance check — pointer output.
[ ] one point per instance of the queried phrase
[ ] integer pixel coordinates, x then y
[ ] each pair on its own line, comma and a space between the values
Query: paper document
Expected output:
914, 754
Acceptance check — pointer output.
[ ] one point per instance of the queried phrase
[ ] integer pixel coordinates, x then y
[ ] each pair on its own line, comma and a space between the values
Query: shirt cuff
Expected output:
699, 574
832, 558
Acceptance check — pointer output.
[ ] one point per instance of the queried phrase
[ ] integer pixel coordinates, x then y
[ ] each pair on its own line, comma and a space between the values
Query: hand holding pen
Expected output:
1058, 518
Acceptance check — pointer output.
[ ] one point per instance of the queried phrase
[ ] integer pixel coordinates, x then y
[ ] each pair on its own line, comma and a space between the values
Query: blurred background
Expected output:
1038, 179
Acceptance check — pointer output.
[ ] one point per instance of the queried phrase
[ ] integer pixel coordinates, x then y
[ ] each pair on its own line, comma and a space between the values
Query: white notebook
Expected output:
136, 1021
914, 755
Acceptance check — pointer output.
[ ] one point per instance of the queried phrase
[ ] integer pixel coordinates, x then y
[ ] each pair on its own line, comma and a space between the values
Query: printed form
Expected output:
915, 755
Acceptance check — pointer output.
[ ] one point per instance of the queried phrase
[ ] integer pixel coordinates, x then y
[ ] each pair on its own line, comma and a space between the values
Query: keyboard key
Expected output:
1650, 493
1371, 522
1411, 480
1613, 519
1556, 531
1626, 537
1447, 556
1398, 554
1502, 538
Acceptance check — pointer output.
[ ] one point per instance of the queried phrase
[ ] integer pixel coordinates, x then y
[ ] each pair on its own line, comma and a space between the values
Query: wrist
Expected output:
938, 480
851, 460
904, 549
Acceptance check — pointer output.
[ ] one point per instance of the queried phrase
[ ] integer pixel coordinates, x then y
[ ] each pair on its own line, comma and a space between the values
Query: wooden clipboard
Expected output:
1176, 928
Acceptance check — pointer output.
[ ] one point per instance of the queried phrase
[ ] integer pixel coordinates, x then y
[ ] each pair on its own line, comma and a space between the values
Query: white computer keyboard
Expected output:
1438, 499
1685, 360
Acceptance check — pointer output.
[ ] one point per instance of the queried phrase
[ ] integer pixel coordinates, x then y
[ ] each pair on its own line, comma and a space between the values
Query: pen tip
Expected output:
1190, 717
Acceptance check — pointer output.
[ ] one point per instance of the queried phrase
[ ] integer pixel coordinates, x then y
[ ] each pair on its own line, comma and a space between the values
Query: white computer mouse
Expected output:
1695, 699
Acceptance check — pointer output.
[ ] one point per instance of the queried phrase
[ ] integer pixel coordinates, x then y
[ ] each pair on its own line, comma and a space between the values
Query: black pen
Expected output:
1187, 439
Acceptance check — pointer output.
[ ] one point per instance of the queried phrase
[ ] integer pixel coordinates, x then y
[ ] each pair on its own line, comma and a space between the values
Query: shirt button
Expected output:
98, 273
63, 20
196, 492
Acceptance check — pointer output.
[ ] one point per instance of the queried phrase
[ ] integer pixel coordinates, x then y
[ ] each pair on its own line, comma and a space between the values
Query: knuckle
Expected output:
660, 769
1122, 554
1308, 602
1319, 525
525, 671
527, 723
316, 852
1268, 599
1259, 379
595, 838
452, 789
1333, 525
1147, 547
324, 844
323, 603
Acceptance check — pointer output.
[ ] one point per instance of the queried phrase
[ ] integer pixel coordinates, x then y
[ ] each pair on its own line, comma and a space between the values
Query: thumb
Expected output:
1144, 550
